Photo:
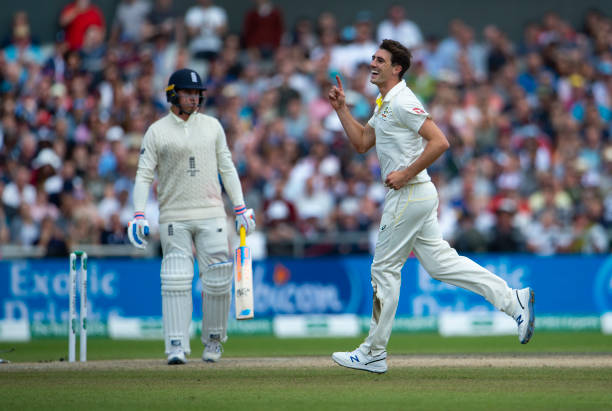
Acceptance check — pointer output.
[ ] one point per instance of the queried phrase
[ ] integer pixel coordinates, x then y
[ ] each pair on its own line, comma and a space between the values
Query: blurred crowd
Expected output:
529, 122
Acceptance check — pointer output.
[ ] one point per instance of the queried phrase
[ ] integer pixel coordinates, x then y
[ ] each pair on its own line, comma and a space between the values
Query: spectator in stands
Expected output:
420, 81
93, 53
531, 75
459, 54
76, 18
544, 235
349, 219
303, 35
115, 232
585, 236
130, 18
296, 120
468, 239
506, 238
163, 21
109, 205
328, 39
67, 203
86, 224
326, 22
27, 149
23, 227
52, 239
42, 208
21, 46
55, 64
316, 203
398, 27
500, 49
280, 220
19, 191
263, 28
360, 45
206, 25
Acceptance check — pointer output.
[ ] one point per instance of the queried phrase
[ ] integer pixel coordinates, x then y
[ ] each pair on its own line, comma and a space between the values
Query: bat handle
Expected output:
242, 237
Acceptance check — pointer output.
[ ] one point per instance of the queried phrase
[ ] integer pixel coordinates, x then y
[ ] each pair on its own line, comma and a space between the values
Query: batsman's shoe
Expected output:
212, 351
360, 361
177, 357
525, 315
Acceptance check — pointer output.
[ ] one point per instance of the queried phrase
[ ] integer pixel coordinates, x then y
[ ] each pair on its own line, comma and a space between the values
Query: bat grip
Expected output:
242, 237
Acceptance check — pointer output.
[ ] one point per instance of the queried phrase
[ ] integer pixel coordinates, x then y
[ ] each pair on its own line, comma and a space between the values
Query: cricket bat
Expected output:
243, 279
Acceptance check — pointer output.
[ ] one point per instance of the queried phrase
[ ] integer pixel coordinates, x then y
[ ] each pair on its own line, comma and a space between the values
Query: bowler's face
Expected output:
380, 67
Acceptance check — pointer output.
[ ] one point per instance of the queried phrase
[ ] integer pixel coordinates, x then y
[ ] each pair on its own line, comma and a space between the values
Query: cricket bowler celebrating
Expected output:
407, 141
189, 152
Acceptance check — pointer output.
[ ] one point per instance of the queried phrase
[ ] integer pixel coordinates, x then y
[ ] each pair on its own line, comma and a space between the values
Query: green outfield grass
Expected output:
318, 388
299, 389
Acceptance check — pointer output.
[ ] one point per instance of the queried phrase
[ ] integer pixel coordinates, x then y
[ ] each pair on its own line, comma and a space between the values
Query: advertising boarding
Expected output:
37, 290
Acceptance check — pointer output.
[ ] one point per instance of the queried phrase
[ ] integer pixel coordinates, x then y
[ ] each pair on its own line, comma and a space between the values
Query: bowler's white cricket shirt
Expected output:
188, 156
396, 122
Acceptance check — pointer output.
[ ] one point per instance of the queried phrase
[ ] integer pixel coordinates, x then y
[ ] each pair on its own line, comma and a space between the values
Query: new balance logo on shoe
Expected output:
354, 359
519, 320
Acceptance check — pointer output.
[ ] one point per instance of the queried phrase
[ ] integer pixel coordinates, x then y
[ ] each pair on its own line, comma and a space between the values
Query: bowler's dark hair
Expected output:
400, 55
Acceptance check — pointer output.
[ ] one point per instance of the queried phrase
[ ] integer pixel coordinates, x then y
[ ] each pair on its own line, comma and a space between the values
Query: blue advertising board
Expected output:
564, 285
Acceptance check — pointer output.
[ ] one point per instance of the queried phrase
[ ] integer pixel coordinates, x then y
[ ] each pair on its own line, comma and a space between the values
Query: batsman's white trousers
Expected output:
410, 223
178, 239
208, 235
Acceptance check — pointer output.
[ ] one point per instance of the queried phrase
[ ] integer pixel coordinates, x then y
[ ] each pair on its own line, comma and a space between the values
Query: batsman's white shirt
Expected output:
397, 120
188, 156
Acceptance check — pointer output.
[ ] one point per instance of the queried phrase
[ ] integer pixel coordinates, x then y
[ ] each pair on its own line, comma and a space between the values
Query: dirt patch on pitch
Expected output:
396, 361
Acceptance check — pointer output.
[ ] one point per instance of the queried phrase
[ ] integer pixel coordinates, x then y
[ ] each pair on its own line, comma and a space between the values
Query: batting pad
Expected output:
177, 305
216, 296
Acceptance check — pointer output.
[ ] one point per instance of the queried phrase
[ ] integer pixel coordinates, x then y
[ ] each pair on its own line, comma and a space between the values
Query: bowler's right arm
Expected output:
361, 137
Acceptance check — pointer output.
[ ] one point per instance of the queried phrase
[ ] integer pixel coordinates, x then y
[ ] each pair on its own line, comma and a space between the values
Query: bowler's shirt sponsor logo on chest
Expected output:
386, 113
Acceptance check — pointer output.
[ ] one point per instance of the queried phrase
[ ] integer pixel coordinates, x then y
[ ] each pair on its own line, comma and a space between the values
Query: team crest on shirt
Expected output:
192, 170
386, 113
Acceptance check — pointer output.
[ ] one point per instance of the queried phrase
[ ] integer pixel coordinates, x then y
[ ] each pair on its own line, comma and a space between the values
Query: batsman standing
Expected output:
407, 141
189, 151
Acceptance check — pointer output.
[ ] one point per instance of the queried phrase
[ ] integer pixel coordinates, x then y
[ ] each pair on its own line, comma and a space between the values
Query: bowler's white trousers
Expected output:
410, 223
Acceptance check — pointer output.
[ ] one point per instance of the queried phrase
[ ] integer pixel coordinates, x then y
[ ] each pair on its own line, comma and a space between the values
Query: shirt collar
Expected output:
395, 91
180, 120
391, 93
